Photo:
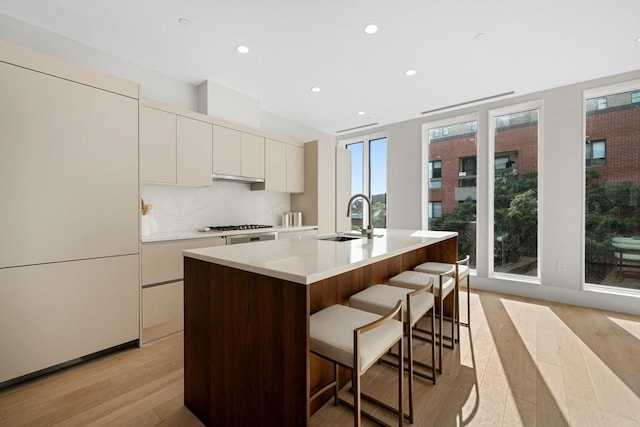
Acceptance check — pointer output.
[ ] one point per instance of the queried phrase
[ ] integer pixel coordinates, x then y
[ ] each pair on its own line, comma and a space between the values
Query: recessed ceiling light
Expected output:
242, 49
411, 73
638, 39
361, 113
184, 22
371, 28
315, 89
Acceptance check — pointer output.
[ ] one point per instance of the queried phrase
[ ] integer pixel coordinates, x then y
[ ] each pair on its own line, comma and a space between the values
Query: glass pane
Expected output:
452, 200
378, 182
516, 194
357, 162
612, 191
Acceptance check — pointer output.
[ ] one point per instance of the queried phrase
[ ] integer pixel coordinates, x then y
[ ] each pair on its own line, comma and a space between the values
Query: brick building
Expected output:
613, 142
612, 148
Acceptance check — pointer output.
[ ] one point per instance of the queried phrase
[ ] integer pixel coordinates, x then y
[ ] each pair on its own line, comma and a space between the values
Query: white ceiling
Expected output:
527, 46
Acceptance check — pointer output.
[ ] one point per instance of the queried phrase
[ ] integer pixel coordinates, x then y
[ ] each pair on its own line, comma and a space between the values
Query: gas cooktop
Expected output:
235, 227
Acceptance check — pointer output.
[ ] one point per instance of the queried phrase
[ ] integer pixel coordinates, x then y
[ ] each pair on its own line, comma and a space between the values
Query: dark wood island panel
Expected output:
245, 347
246, 338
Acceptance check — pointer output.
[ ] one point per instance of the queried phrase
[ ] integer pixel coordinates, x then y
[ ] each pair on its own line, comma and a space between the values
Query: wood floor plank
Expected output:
523, 363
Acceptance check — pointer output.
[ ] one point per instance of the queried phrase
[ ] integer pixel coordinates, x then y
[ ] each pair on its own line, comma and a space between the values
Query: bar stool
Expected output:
356, 339
380, 299
445, 284
462, 272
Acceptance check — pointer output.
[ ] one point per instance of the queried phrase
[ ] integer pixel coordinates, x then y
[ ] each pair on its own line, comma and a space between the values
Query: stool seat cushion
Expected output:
418, 280
442, 267
331, 333
434, 267
380, 299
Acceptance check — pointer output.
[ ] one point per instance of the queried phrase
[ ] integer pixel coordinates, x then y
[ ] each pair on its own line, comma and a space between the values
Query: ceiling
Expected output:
461, 50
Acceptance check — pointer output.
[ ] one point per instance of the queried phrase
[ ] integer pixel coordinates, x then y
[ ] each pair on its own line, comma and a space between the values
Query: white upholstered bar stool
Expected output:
380, 299
444, 283
356, 339
462, 272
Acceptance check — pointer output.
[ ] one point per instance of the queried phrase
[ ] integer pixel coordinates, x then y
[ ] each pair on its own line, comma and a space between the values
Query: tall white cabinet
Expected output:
69, 213
318, 202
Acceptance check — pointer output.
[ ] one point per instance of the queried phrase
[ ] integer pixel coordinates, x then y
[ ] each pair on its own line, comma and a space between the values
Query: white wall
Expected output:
561, 196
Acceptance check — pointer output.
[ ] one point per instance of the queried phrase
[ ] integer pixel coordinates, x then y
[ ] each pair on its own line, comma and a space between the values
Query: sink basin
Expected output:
339, 238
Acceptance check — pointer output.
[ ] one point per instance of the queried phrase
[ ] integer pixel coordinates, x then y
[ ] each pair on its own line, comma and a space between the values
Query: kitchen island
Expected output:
247, 308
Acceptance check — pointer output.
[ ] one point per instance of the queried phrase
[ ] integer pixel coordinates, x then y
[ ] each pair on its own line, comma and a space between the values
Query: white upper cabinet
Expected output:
237, 153
157, 146
284, 168
174, 149
275, 178
193, 152
252, 155
295, 169
227, 151
185, 148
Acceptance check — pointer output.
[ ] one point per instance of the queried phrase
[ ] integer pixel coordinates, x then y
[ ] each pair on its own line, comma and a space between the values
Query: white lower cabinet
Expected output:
162, 286
54, 313
162, 310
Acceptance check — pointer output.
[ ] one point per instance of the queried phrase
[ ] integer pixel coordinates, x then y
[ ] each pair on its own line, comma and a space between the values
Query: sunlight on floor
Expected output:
573, 373
632, 327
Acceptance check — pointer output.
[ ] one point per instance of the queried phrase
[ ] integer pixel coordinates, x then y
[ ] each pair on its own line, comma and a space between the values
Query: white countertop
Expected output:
194, 234
309, 260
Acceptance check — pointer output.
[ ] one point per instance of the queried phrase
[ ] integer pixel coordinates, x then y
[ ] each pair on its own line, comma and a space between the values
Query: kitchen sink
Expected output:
340, 238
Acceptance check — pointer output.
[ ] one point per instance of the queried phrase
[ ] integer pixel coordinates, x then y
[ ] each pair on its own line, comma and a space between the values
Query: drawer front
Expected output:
162, 310
162, 262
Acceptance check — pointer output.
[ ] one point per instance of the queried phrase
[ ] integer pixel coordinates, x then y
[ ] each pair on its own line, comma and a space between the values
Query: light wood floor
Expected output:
526, 362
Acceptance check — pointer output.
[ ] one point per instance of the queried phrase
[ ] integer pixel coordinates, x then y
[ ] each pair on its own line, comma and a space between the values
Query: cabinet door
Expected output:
275, 174
295, 169
252, 155
193, 152
157, 146
53, 313
227, 151
162, 311
68, 170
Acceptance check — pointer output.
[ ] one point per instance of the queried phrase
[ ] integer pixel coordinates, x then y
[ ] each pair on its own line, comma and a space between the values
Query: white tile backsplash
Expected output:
178, 208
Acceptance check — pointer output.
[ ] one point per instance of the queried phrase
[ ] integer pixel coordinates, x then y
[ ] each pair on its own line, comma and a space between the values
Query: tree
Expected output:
515, 219
610, 210
461, 219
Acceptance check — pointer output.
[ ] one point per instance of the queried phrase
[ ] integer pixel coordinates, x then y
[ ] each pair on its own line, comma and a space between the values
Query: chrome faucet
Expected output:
368, 231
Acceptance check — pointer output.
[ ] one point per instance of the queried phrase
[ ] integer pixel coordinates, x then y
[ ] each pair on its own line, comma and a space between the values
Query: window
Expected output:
601, 103
468, 172
435, 210
450, 162
594, 153
435, 174
515, 222
369, 177
612, 190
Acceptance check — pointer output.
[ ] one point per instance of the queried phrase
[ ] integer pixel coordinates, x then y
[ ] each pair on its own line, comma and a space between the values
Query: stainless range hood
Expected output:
235, 178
